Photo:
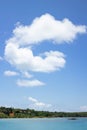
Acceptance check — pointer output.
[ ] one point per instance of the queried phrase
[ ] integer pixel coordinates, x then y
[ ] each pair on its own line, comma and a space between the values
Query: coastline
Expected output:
29, 113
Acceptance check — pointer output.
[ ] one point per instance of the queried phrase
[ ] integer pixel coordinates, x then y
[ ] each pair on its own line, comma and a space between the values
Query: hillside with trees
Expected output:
30, 113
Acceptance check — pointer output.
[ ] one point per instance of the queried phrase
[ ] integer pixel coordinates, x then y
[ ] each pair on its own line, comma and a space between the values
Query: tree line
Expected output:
30, 113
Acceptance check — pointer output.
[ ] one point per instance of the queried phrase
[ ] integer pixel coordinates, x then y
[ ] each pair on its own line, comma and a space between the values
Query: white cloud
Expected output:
83, 108
29, 83
19, 53
10, 73
27, 75
35, 104
46, 27
24, 59
42, 28
32, 99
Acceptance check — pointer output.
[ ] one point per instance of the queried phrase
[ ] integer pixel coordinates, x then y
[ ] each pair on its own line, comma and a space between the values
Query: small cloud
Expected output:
83, 108
32, 99
10, 73
27, 75
30, 83
35, 104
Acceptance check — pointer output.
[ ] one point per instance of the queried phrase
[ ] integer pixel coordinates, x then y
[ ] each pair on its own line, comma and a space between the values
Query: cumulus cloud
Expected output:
35, 104
29, 83
10, 73
24, 60
19, 53
46, 27
42, 28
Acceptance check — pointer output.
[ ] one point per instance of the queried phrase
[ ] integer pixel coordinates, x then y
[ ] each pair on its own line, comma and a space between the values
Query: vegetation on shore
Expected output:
30, 113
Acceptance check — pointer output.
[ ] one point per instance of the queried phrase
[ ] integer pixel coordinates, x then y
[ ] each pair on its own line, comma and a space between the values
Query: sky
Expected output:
43, 54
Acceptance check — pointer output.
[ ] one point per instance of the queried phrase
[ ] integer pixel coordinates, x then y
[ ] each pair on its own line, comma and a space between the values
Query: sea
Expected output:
43, 124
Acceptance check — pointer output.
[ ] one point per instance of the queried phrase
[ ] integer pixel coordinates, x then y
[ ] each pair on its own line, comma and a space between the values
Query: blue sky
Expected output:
43, 54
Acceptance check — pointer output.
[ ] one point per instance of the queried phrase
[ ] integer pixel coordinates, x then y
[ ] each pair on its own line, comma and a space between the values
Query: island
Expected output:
10, 112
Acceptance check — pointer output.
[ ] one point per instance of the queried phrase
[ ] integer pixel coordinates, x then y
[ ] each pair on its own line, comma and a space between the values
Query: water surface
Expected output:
43, 124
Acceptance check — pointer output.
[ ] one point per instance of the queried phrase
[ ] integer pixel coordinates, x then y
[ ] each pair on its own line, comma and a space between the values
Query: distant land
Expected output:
30, 113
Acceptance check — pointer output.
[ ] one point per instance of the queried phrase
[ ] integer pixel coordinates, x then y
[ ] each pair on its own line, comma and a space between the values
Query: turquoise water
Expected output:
43, 124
